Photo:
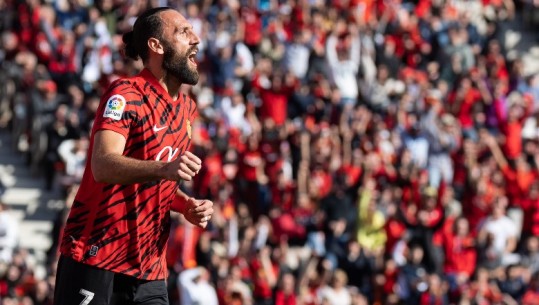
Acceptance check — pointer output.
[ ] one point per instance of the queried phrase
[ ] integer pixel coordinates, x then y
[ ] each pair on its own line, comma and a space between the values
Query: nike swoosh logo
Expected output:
156, 129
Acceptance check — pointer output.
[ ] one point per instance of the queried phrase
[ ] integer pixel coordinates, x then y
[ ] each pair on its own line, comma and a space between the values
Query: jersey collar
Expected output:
148, 76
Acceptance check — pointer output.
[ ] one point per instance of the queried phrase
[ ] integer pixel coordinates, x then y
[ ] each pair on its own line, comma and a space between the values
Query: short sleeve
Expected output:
118, 109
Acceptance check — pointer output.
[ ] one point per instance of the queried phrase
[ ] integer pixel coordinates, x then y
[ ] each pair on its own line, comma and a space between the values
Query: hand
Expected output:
183, 168
198, 211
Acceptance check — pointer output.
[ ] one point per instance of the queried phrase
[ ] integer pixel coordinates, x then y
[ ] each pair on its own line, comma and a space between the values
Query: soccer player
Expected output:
114, 242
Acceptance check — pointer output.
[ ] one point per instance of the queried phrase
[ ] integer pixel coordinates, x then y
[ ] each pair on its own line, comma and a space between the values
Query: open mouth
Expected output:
192, 57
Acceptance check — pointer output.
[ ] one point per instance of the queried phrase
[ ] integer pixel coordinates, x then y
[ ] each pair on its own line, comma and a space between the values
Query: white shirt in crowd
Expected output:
297, 59
235, 115
502, 229
344, 72
335, 297
9, 232
195, 291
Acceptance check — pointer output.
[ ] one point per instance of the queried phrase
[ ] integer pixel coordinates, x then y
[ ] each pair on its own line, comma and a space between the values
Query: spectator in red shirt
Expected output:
460, 254
285, 294
274, 90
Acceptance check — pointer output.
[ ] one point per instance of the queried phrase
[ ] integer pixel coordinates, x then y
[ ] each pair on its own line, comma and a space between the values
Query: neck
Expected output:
170, 83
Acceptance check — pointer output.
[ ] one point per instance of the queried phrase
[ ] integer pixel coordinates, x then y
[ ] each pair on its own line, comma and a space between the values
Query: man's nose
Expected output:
194, 38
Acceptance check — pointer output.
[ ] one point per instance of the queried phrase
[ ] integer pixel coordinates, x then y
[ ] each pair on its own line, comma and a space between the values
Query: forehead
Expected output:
173, 19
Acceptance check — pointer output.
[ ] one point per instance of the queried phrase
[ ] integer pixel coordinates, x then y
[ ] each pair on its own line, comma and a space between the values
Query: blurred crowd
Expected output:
357, 151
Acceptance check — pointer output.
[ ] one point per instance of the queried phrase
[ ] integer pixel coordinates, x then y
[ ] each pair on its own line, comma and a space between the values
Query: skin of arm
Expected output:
110, 166
194, 210
496, 152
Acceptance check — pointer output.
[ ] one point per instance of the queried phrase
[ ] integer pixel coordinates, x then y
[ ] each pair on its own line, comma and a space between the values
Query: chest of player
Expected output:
163, 129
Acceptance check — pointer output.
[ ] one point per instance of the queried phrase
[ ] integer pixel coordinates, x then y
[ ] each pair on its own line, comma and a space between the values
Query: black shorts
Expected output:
81, 284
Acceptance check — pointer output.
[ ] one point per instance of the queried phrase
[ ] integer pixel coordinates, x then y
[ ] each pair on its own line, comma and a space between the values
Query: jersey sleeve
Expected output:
119, 108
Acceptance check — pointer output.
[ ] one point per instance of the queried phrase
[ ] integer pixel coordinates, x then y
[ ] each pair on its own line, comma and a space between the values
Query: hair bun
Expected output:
129, 47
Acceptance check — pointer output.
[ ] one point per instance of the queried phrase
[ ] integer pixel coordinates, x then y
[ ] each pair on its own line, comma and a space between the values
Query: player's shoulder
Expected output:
126, 86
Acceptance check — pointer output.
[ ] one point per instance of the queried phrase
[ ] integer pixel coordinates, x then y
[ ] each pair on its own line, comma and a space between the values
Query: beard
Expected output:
178, 66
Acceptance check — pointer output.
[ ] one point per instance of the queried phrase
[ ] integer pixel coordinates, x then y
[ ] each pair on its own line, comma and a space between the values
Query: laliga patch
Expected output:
115, 107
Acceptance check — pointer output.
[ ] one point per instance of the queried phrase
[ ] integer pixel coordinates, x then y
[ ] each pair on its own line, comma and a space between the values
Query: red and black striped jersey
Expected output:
125, 228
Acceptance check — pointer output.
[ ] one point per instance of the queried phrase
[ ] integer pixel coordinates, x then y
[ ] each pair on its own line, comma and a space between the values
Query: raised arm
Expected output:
331, 52
355, 48
496, 151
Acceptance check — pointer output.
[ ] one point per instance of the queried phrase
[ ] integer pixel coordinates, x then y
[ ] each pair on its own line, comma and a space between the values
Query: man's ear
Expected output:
155, 45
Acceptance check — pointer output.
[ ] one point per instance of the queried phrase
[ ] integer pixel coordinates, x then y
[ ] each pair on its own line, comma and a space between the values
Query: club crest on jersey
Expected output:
115, 107
93, 250
189, 129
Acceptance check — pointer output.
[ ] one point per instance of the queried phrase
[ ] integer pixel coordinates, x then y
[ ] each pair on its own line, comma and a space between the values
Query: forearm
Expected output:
331, 53
498, 155
179, 203
118, 169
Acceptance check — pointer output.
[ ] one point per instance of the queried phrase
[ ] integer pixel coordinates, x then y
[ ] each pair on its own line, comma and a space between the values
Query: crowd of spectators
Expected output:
357, 151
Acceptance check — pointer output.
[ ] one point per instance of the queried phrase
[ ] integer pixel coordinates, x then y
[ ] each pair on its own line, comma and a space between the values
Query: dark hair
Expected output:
148, 25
